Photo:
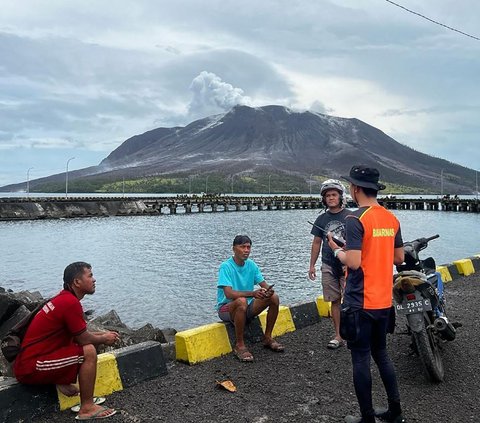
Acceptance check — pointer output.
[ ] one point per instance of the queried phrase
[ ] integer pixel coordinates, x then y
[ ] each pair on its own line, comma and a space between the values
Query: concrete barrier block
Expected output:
140, 362
464, 267
454, 273
324, 307
108, 381
446, 276
20, 403
202, 343
476, 262
283, 324
253, 331
305, 314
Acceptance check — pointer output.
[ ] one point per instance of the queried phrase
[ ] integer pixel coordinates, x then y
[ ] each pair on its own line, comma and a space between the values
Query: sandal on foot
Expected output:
103, 413
334, 344
96, 401
243, 354
274, 346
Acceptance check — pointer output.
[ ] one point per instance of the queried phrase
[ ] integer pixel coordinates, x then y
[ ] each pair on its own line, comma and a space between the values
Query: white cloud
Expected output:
212, 95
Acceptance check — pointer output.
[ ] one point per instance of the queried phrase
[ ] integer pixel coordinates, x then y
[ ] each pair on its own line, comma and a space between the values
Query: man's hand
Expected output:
269, 292
261, 294
312, 273
331, 243
110, 337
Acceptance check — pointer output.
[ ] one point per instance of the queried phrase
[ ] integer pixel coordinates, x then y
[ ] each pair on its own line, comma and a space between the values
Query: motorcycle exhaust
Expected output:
445, 328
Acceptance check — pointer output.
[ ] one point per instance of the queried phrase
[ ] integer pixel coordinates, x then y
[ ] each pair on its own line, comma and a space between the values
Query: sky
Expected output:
79, 77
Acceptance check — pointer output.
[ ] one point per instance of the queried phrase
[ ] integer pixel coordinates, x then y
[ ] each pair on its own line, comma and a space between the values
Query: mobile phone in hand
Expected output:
270, 287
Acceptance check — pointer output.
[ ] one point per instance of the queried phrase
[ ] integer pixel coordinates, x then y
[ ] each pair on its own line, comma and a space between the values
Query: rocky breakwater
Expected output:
14, 306
57, 208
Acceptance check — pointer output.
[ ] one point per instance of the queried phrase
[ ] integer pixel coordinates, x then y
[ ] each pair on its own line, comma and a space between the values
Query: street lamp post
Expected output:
28, 181
269, 177
441, 183
206, 184
310, 183
476, 184
66, 177
232, 183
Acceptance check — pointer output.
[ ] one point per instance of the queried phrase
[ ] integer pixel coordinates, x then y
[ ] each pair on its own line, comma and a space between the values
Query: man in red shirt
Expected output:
58, 346
373, 244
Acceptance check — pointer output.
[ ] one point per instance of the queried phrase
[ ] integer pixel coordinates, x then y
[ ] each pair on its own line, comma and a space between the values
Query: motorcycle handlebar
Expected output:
421, 243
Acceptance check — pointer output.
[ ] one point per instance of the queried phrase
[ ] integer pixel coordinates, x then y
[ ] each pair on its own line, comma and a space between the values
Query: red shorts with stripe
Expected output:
59, 367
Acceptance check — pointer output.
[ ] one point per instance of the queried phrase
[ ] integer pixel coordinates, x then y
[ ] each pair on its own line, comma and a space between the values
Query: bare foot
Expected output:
68, 390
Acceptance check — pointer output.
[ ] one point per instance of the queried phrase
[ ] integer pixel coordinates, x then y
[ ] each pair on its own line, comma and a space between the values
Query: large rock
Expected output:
8, 304
19, 314
109, 320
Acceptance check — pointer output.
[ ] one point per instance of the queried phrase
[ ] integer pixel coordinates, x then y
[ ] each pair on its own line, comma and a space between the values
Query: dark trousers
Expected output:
371, 341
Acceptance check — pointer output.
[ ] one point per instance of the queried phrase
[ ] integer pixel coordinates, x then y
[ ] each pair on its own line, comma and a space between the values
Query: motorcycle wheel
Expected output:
429, 354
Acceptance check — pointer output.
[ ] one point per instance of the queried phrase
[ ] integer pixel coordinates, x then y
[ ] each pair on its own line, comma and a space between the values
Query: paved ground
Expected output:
309, 383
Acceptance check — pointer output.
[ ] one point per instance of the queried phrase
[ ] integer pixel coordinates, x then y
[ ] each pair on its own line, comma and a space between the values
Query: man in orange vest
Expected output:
373, 244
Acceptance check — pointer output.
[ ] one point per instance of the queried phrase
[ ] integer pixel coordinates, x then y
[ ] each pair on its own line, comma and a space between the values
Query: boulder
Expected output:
8, 304
19, 314
110, 319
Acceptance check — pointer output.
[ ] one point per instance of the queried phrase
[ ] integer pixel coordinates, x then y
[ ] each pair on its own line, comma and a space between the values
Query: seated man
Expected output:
58, 347
237, 301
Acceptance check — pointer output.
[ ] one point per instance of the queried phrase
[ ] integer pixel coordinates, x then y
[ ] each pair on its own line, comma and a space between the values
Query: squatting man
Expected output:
58, 347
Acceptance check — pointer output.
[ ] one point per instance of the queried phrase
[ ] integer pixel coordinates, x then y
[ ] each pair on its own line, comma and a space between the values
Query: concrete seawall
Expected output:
128, 366
71, 208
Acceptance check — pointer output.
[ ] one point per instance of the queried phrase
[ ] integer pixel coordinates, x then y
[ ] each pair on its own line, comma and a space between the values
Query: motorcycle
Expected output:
419, 296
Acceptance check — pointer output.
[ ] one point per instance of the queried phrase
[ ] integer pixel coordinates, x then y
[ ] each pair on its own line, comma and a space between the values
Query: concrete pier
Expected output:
60, 207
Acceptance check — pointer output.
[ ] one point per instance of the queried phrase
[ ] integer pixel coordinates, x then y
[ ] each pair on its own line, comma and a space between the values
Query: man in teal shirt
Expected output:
237, 301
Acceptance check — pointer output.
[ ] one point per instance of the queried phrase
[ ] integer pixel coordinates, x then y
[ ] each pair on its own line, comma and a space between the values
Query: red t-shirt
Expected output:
57, 323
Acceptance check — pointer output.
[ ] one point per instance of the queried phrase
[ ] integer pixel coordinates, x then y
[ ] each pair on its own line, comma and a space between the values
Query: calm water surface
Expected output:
162, 269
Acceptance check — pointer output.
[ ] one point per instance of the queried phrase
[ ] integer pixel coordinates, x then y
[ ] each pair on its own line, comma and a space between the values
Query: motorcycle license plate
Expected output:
414, 306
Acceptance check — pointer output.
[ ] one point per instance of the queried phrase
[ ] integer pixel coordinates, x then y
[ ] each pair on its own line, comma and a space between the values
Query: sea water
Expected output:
163, 269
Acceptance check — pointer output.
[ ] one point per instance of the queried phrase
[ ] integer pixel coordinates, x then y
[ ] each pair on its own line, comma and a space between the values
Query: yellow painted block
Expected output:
464, 266
324, 307
108, 381
283, 324
446, 276
202, 343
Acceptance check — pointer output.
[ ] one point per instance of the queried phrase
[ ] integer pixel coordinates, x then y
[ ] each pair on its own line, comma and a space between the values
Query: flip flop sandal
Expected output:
243, 355
98, 415
274, 346
96, 401
334, 344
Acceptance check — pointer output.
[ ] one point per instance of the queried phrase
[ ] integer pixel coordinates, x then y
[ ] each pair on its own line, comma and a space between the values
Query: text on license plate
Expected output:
414, 306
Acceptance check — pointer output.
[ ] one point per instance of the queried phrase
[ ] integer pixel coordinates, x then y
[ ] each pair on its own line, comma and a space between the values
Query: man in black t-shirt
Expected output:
333, 279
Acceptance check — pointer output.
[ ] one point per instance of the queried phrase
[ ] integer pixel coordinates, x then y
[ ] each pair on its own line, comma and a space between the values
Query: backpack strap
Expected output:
35, 311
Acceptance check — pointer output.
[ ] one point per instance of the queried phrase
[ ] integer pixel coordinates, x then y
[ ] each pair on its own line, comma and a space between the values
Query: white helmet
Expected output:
332, 184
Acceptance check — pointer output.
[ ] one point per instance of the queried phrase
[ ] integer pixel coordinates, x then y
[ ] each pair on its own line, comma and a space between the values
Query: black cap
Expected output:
366, 177
242, 239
